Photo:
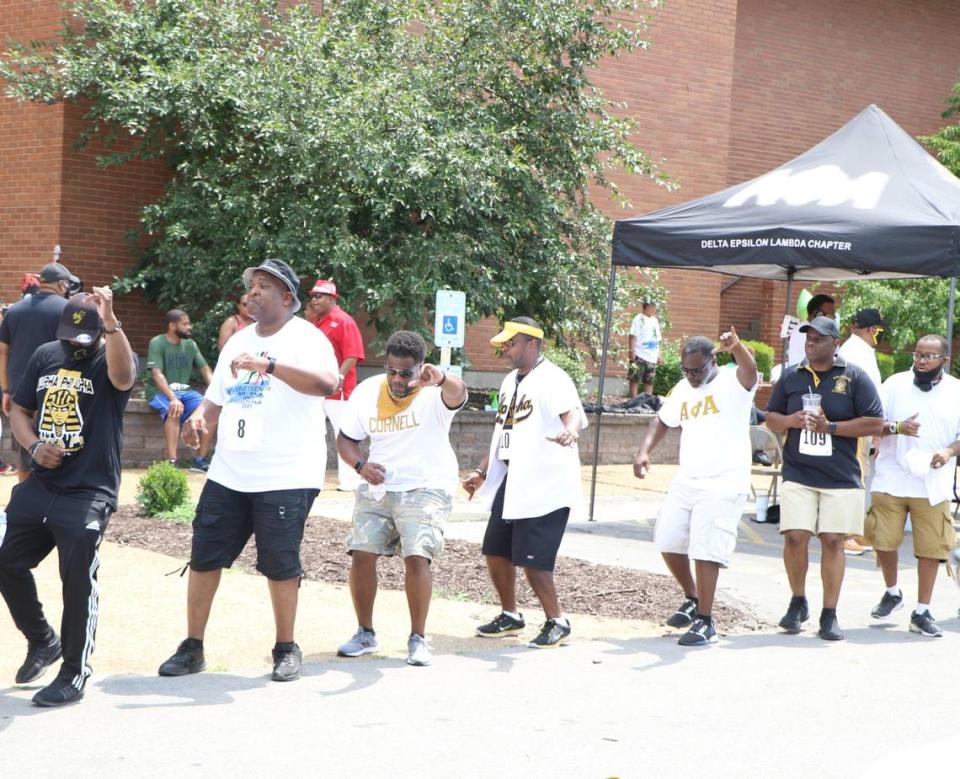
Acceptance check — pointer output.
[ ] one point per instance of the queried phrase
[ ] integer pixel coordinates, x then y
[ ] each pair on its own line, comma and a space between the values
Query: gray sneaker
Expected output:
887, 605
363, 643
418, 653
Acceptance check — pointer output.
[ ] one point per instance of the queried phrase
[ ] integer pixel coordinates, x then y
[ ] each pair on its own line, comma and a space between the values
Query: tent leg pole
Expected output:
786, 341
603, 374
951, 310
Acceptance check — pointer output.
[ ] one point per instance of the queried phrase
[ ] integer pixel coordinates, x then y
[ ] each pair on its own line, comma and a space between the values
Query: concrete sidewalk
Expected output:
623, 699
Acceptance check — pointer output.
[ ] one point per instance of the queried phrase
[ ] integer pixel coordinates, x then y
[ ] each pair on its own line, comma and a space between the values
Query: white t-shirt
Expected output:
544, 476
646, 332
413, 444
939, 418
715, 431
858, 352
270, 437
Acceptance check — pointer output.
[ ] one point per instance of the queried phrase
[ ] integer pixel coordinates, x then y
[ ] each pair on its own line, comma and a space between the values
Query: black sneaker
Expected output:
887, 605
502, 625
760, 457
798, 612
551, 634
61, 691
200, 465
701, 633
829, 627
188, 659
684, 615
287, 660
924, 625
39, 658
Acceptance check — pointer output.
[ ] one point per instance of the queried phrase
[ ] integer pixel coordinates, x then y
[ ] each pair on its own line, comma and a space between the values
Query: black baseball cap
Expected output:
54, 271
80, 320
280, 270
823, 325
869, 317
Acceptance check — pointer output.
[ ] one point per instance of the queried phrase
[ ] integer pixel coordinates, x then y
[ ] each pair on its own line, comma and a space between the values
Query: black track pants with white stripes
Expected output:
37, 521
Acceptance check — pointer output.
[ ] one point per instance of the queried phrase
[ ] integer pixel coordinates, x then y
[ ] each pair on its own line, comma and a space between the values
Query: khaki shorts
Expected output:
411, 522
820, 510
933, 534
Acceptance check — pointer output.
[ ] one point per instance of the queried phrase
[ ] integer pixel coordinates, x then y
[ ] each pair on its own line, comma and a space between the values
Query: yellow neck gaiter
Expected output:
388, 406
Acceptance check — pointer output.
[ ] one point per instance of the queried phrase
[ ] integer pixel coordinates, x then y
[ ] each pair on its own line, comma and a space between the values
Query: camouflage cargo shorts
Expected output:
411, 522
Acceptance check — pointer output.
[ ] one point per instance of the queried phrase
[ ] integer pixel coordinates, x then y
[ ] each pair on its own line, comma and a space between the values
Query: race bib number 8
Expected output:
816, 444
240, 433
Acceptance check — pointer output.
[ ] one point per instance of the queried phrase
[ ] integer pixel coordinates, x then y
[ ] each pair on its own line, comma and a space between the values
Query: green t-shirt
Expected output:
175, 361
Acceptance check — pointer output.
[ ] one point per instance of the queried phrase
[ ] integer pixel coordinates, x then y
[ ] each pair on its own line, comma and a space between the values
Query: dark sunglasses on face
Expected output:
405, 373
695, 372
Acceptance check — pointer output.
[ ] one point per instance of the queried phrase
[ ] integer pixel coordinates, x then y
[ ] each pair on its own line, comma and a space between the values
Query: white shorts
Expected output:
700, 523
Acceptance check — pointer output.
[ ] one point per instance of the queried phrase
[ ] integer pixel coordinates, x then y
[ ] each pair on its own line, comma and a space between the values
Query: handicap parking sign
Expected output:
450, 317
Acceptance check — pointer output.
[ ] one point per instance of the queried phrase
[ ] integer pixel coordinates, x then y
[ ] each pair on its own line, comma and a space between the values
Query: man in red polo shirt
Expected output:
342, 332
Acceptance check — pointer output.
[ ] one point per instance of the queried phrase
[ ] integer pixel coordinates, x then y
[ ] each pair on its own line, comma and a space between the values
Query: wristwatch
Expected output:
118, 326
832, 428
892, 428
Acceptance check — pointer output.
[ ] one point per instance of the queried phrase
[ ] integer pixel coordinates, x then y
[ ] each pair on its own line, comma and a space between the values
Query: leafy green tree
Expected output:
399, 146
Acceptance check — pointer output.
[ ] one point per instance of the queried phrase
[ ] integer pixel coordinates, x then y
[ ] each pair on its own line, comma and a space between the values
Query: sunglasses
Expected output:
405, 373
920, 356
695, 372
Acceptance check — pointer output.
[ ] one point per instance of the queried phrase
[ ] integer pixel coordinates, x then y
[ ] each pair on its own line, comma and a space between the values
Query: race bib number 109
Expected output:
816, 444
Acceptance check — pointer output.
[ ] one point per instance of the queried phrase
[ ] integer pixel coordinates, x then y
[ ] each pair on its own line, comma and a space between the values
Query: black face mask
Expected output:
926, 379
77, 352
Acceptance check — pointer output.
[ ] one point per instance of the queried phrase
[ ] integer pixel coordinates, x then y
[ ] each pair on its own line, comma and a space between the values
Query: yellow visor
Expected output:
510, 329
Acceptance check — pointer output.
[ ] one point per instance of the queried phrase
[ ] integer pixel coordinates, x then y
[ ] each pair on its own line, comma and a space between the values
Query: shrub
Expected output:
762, 353
572, 363
162, 488
902, 361
668, 373
887, 365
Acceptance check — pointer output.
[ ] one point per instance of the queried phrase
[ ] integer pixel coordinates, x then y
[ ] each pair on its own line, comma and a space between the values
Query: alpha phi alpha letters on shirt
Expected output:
702, 407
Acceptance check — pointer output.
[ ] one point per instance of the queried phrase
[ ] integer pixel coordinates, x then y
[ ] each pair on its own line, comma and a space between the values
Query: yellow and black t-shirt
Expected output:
80, 411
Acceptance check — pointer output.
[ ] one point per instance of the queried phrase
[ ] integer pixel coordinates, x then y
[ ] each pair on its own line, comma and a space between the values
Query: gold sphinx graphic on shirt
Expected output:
703, 407
61, 422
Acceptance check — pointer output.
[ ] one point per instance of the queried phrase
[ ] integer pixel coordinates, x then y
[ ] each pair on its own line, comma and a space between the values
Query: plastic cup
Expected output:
763, 503
811, 403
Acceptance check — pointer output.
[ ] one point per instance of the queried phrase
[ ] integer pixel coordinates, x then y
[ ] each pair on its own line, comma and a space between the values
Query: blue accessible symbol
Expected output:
449, 325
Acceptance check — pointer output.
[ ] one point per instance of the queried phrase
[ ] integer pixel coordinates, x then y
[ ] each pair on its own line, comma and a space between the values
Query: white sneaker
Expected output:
363, 643
418, 653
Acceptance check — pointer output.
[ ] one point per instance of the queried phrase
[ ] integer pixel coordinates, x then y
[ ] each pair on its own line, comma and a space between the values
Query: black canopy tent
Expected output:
866, 202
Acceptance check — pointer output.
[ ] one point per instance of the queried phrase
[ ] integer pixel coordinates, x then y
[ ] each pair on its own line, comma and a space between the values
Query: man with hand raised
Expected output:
702, 509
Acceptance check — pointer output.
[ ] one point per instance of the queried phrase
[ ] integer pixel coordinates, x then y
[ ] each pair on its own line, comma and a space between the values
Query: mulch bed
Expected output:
460, 574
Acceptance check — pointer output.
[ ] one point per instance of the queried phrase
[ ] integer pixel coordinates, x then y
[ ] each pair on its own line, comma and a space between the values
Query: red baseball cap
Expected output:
324, 287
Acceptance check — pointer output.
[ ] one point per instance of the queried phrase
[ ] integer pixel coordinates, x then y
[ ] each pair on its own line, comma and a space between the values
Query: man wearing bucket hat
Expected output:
267, 400
68, 414
344, 335
825, 406
28, 324
916, 463
529, 480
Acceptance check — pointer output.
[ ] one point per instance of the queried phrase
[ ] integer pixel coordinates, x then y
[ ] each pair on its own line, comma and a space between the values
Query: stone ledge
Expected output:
620, 437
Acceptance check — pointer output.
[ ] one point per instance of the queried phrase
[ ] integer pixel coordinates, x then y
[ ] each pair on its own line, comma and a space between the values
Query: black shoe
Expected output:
551, 634
188, 659
684, 615
924, 625
887, 605
39, 658
502, 625
60, 692
829, 627
701, 633
760, 457
287, 660
798, 612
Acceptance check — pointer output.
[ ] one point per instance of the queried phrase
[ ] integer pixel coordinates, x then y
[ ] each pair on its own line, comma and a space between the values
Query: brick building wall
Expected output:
730, 89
